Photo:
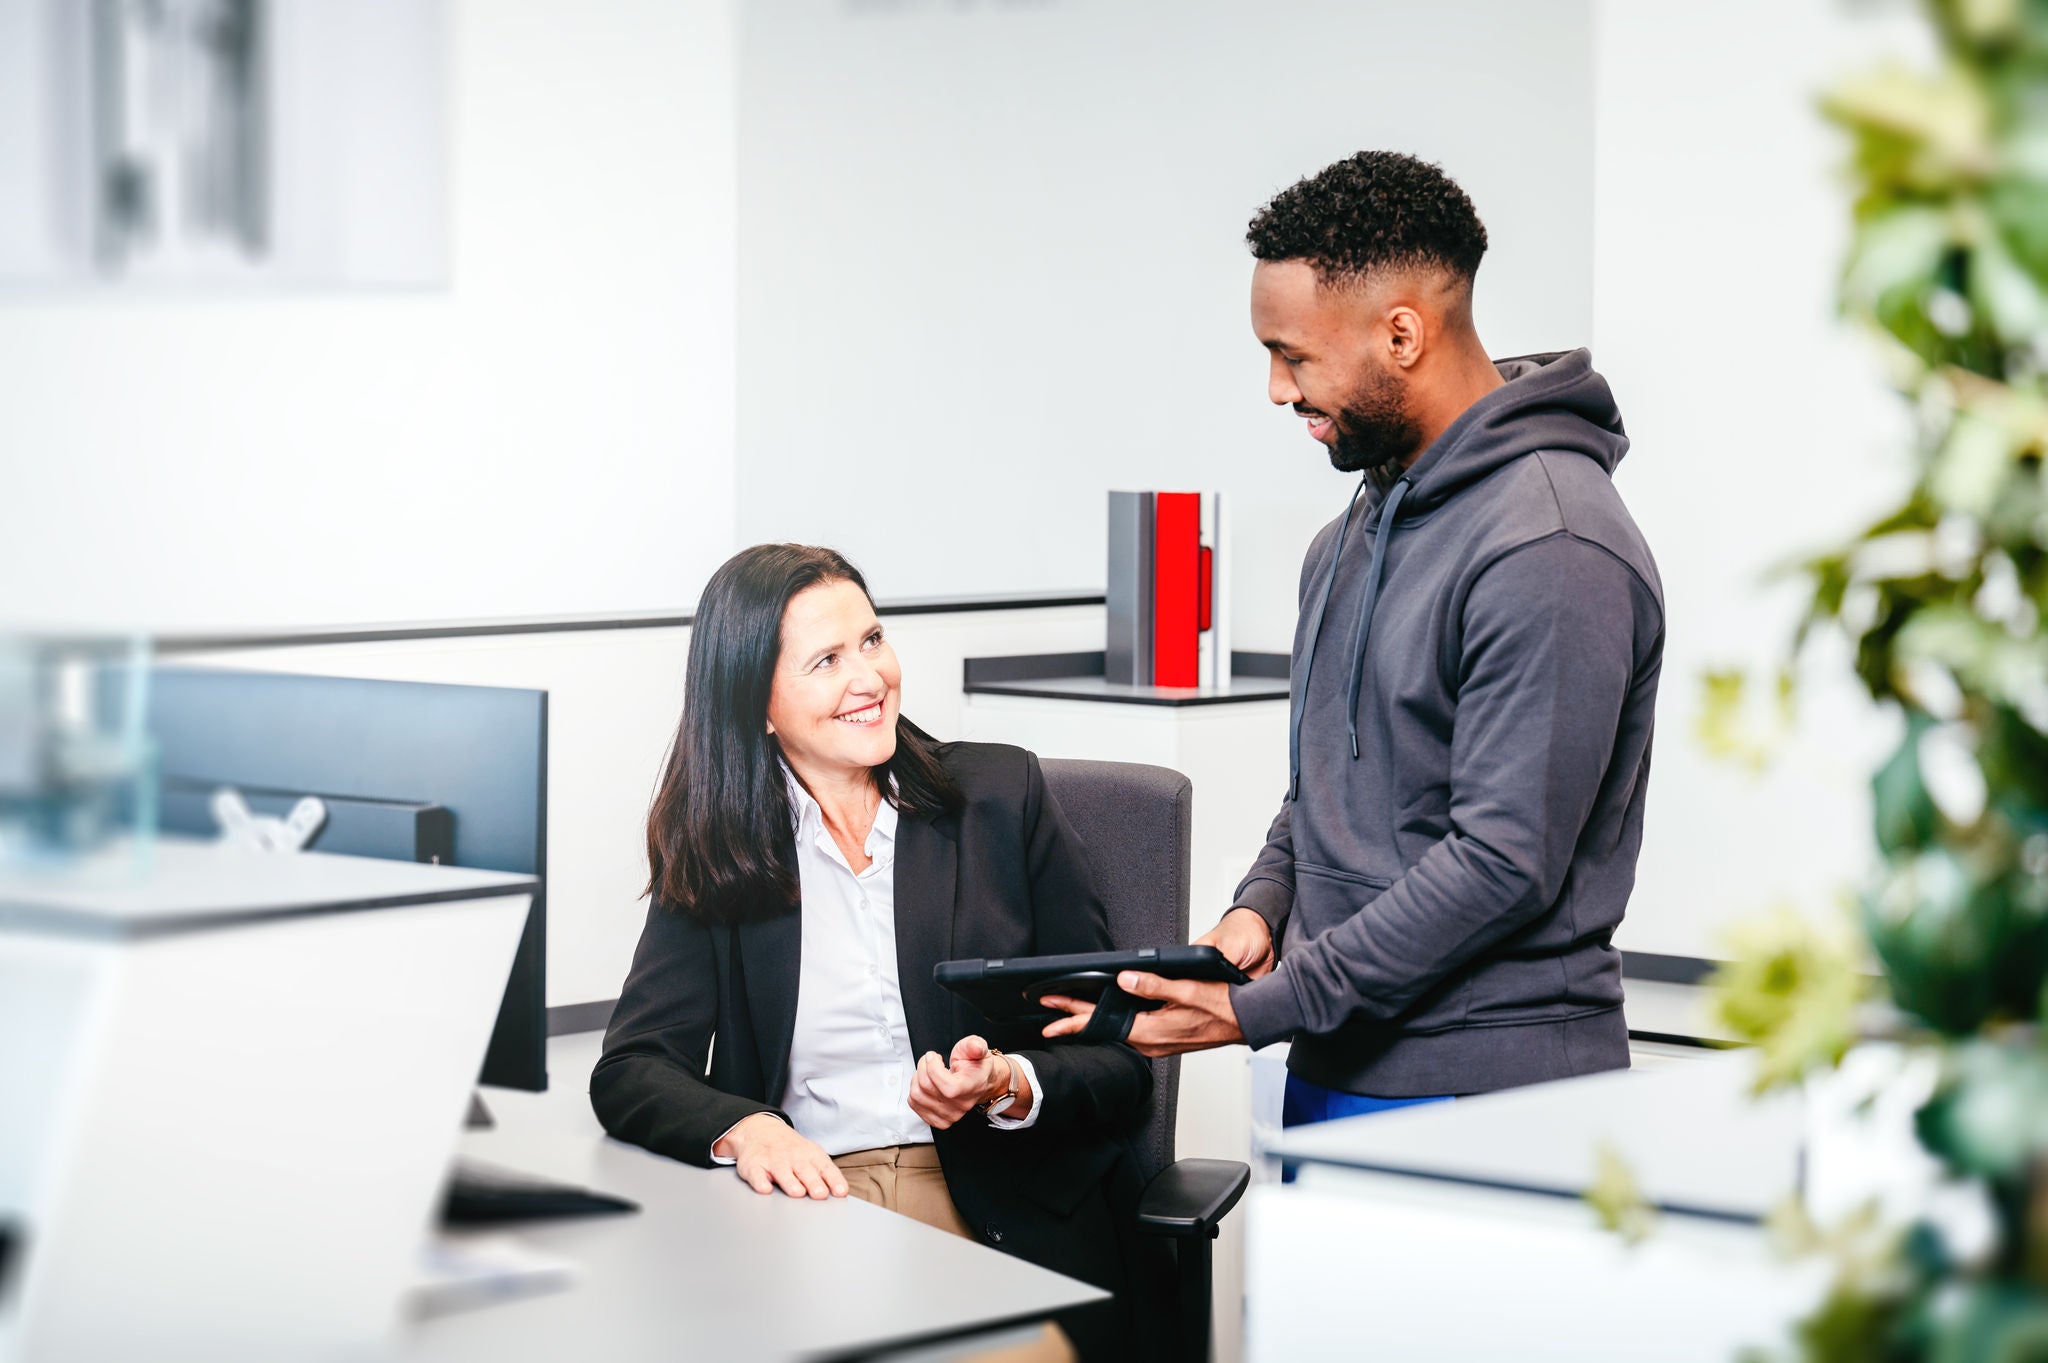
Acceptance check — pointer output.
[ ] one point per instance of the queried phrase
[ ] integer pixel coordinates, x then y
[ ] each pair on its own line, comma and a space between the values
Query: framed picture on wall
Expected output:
223, 143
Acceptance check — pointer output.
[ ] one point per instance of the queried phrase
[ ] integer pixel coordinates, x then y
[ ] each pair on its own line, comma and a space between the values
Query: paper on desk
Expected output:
460, 1271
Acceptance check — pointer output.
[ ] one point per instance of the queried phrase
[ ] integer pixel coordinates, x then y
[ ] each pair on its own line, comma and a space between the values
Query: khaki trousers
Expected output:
906, 1179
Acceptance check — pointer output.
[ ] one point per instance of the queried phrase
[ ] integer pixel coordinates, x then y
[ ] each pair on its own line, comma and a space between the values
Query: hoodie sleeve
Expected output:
1549, 655
1268, 888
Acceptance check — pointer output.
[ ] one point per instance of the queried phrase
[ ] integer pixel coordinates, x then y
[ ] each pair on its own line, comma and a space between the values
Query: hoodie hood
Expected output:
1554, 402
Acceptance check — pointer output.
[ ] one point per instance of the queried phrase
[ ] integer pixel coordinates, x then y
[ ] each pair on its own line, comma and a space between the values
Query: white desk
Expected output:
1458, 1231
711, 1269
229, 1085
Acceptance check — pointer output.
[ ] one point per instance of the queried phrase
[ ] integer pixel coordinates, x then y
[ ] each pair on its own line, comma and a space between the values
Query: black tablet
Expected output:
1012, 987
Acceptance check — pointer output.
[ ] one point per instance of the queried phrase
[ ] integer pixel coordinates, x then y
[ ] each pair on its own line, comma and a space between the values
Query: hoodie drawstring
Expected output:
1388, 511
1299, 685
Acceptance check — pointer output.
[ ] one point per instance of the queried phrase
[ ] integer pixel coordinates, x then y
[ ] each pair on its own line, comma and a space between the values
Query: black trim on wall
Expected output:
376, 634
171, 644
1027, 667
1697, 1043
1662, 969
941, 605
567, 1018
1266, 665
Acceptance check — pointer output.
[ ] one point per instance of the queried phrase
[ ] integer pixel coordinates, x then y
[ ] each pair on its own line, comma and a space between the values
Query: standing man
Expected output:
1474, 679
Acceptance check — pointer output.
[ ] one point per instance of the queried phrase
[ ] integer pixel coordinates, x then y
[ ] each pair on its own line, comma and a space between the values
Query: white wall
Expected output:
551, 433
1760, 427
992, 259
989, 263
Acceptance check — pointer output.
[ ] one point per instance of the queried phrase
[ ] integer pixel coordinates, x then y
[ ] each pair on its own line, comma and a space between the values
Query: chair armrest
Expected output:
1188, 1198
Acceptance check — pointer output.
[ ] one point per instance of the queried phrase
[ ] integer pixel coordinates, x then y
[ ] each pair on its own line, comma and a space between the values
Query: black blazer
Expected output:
1005, 877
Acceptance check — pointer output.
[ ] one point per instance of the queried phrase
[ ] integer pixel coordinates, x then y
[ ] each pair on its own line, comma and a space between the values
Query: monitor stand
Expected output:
479, 1118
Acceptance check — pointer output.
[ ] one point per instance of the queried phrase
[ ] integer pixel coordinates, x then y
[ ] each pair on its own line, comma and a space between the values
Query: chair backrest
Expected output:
1135, 821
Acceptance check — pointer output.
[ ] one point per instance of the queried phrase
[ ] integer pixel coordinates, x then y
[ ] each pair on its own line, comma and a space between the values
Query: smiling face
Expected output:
1339, 357
837, 687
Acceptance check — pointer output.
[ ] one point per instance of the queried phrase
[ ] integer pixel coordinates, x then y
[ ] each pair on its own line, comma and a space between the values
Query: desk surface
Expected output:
178, 884
1660, 1011
1693, 1138
711, 1269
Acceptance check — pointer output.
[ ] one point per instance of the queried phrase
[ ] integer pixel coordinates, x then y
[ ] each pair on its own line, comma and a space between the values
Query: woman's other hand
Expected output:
770, 1154
942, 1092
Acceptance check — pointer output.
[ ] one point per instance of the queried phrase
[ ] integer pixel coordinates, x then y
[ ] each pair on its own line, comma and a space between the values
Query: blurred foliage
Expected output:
1791, 990
1941, 601
1617, 1198
1865, 1314
1734, 728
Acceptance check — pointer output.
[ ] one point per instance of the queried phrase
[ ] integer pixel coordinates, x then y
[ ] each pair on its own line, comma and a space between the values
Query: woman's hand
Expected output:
772, 1155
943, 1093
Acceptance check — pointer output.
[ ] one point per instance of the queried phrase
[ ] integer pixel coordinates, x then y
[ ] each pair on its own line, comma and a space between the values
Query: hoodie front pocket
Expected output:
1325, 896
1309, 868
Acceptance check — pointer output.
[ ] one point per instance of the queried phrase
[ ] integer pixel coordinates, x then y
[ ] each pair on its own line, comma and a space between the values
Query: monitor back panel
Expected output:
410, 768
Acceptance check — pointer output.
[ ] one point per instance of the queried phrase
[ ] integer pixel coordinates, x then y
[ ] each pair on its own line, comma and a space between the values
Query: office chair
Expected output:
1135, 821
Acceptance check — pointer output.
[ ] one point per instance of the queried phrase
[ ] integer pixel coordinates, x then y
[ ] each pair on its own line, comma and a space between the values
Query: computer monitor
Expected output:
411, 771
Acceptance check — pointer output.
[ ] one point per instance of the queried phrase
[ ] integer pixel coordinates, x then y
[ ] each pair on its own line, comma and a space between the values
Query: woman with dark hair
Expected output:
813, 855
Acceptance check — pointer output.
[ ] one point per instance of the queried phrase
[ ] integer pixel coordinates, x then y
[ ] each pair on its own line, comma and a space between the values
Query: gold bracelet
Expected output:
989, 1105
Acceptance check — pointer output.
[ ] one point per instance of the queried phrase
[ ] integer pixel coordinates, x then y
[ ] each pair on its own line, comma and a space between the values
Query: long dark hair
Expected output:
719, 842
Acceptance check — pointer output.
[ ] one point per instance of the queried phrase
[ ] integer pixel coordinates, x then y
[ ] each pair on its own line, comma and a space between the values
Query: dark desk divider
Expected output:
8, 1238
410, 771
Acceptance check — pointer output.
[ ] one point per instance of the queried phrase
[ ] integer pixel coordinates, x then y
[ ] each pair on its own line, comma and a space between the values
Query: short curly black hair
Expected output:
1368, 212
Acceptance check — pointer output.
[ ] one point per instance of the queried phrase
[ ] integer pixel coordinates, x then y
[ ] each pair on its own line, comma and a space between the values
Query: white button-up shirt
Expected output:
850, 1058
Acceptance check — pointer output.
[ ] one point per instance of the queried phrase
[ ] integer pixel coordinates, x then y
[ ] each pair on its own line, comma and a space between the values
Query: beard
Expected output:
1376, 433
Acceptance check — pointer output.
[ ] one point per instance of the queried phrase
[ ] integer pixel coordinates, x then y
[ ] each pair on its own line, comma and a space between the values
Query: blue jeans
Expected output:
1307, 1103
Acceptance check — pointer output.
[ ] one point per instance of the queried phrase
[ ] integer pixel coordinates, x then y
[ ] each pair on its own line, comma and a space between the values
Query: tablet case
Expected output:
1011, 987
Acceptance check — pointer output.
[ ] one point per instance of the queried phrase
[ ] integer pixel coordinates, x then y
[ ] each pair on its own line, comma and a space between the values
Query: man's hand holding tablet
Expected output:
1195, 1017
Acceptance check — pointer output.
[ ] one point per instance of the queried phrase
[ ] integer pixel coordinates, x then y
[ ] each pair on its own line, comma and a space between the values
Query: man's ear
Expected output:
1407, 335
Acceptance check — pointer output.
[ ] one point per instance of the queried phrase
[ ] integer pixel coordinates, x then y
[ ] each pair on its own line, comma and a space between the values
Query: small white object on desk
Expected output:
459, 1271
241, 826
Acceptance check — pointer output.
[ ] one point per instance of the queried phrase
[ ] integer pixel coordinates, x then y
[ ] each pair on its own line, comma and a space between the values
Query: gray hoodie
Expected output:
1474, 680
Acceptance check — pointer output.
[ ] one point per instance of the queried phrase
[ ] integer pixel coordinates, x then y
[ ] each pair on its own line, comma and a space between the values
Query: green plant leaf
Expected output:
2005, 294
1917, 130
1989, 1114
1904, 811
1617, 1198
2018, 205
2014, 756
1960, 948
1972, 466
1898, 250
1992, 1322
1791, 989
